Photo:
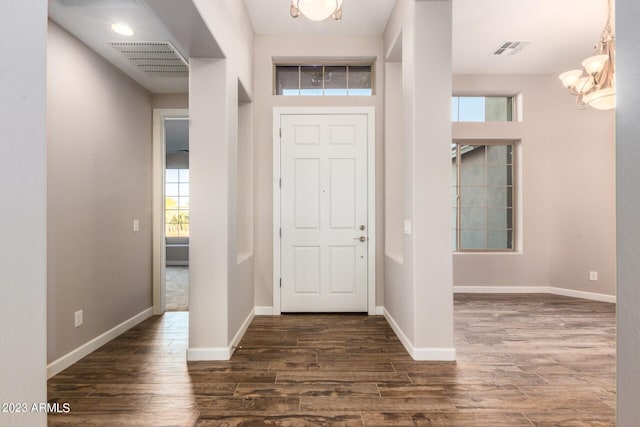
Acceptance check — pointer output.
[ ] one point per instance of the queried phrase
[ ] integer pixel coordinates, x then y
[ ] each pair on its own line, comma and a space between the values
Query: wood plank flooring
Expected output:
523, 360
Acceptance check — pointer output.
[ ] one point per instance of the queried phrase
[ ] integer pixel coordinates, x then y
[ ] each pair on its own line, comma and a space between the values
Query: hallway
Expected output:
522, 360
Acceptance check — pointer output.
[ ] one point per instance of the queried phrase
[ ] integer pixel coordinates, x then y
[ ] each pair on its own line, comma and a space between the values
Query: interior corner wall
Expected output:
300, 47
565, 189
23, 234
221, 287
628, 206
418, 290
99, 181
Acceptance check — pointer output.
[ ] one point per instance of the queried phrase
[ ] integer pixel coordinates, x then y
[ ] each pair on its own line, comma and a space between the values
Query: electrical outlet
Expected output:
593, 276
136, 225
78, 318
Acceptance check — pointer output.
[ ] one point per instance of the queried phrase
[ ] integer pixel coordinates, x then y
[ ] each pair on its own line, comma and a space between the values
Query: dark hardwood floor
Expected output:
523, 360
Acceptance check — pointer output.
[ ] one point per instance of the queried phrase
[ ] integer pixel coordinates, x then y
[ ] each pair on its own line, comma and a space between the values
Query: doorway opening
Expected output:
170, 210
176, 214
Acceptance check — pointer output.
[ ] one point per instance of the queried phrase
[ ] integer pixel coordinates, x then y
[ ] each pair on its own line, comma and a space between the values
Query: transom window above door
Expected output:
324, 79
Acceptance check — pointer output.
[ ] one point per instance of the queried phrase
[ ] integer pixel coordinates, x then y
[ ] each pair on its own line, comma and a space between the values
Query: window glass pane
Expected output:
499, 154
454, 196
473, 239
473, 196
486, 197
360, 80
499, 197
499, 240
184, 189
287, 80
335, 80
497, 109
171, 203
454, 109
171, 175
311, 80
183, 202
472, 109
499, 219
454, 240
171, 216
171, 189
184, 175
473, 165
498, 175
473, 218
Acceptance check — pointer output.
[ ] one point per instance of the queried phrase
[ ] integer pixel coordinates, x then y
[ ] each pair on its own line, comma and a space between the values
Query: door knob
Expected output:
361, 238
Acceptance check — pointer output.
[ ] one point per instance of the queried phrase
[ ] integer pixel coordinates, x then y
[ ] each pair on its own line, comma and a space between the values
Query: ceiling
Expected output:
560, 32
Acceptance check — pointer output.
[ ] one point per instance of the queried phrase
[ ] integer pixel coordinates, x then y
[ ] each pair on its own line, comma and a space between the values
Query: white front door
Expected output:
324, 243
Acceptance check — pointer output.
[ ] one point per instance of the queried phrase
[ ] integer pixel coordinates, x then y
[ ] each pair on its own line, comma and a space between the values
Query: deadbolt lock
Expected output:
362, 227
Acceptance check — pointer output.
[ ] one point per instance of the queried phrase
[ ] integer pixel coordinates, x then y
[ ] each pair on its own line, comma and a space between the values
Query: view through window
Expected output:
482, 109
324, 80
176, 203
482, 196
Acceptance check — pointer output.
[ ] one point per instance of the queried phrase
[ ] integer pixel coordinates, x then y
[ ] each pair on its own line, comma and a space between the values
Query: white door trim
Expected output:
159, 258
371, 201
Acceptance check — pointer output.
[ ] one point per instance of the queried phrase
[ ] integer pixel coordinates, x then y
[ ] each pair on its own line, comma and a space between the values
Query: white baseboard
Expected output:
177, 263
533, 290
242, 330
73, 356
220, 353
264, 311
583, 294
501, 289
379, 310
420, 353
208, 353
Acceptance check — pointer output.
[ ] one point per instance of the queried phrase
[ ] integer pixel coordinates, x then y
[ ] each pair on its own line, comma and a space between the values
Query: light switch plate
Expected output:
407, 227
136, 225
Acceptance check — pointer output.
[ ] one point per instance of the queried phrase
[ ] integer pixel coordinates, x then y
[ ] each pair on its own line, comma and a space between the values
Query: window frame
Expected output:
515, 228
324, 64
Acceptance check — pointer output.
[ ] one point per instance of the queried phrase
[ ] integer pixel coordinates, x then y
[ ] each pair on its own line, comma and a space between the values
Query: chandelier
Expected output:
317, 10
596, 88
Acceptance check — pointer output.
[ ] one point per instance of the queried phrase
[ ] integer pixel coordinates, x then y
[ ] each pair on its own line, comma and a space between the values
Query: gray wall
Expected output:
99, 181
628, 213
23, 189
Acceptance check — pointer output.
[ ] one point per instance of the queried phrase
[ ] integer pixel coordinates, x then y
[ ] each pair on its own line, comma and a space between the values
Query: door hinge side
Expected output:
280, 182
281, 282
280, 132
280, 232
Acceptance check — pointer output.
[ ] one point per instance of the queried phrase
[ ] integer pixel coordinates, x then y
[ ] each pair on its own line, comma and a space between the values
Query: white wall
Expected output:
565, 211
23, 234
266, 48
418, 289
99, 181
628, 204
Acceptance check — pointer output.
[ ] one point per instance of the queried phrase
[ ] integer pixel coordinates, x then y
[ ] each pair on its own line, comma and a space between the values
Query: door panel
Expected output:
323, 207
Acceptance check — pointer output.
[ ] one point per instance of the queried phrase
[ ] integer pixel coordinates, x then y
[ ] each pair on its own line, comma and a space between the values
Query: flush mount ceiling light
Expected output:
317, 10
122, 29
596, 89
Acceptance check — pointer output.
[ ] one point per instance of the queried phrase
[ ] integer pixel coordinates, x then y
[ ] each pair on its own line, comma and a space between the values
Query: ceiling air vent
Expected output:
158, 58
510, 47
